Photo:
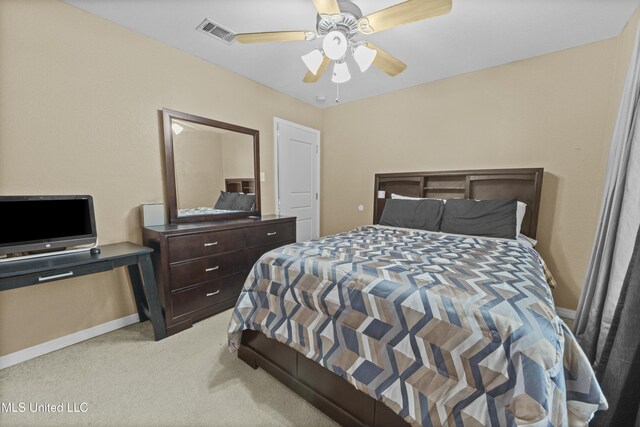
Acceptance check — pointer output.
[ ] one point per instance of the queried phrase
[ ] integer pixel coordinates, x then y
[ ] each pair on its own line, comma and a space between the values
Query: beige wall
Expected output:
79, 114
79, 102
554, 111
197, 158
237, 155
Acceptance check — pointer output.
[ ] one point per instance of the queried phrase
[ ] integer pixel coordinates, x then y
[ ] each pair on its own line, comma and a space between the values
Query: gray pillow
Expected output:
245, 202
226, 200
422, 214
490, 218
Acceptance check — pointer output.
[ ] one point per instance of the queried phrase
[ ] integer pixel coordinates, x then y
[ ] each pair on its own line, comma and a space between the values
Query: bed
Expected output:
238, 196
204, 210
388, 326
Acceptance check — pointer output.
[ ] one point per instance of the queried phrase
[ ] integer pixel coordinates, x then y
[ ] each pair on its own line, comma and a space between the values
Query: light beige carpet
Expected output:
124, 378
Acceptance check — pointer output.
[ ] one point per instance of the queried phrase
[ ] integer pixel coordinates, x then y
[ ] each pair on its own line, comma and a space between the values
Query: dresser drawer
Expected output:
206, 294
199, 245
203, 269
267, 234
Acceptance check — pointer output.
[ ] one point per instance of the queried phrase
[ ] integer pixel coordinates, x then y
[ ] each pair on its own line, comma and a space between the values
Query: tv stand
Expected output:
20, 273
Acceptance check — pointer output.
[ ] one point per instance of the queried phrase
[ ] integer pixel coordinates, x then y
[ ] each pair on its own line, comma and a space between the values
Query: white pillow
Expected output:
521, 209
398, 196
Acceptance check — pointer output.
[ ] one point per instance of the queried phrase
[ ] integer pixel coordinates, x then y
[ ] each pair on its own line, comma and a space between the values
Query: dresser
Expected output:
201, 267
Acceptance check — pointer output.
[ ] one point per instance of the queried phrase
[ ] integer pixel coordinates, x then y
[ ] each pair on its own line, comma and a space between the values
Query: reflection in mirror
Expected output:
213, 169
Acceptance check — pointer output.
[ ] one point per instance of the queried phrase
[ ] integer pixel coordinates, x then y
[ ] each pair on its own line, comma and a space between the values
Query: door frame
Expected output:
316, 132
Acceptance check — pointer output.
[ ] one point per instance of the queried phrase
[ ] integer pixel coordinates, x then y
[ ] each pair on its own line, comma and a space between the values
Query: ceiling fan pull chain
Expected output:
337, 93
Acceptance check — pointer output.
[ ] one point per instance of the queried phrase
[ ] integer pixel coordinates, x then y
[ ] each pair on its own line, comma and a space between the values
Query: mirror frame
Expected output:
171, 190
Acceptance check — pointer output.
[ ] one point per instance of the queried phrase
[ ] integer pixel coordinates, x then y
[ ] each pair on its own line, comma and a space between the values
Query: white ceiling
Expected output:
476, 34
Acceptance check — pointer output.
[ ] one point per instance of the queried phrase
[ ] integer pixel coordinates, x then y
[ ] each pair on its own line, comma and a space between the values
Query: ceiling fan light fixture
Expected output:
364, 57
335, 45
176, 128
341, 73
313, 60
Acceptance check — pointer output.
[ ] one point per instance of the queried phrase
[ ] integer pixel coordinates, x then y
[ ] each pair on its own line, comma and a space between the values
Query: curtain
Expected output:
619, 220
618, 370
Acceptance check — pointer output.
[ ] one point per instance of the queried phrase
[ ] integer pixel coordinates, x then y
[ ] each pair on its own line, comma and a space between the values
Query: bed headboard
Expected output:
524, 185
240, 185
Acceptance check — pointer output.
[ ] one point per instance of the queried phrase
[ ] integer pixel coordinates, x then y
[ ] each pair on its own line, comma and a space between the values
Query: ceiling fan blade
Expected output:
312, 78
276, 36
403, 13
386, 62
327, 7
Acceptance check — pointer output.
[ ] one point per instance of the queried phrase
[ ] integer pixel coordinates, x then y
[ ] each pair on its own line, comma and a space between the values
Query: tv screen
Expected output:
36, 223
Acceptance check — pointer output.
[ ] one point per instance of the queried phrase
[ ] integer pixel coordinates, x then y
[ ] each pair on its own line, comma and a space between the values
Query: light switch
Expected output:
262, 178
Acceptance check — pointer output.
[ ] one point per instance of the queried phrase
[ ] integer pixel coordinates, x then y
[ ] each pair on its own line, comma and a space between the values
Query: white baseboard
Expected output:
65, 341
566, 313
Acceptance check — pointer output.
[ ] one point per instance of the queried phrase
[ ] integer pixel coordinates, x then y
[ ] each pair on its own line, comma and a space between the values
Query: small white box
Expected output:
153, 214
381, 194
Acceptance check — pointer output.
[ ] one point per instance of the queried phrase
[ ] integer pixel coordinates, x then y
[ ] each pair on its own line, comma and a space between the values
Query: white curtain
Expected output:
619, 220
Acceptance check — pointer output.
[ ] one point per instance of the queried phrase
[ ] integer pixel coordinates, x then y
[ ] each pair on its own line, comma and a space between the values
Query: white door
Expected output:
298, 176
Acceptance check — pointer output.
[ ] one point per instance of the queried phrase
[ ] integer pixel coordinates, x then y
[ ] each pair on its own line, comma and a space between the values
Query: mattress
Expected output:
444, 329
203, 211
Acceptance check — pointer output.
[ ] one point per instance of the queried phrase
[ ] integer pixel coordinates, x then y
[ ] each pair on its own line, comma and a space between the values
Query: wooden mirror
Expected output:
212, 168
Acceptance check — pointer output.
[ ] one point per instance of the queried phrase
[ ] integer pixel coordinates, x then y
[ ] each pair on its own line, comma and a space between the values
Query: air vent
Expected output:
215, 30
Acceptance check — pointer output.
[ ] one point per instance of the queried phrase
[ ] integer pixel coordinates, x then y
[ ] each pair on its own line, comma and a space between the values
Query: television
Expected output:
36, 224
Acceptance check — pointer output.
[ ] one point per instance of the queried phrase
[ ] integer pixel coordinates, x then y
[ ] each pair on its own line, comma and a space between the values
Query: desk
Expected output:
137, 259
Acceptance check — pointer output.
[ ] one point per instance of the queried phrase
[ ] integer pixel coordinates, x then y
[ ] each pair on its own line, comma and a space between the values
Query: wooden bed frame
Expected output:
240, 185
327, 391
525, 185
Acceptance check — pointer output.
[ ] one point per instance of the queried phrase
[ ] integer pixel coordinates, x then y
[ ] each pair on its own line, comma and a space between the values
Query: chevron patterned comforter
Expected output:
444, 329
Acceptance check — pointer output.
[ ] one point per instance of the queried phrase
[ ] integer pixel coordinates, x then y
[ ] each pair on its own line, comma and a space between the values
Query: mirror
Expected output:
212, 168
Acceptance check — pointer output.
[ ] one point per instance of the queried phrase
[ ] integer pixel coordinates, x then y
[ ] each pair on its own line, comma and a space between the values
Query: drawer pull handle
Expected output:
211, 268
210, 294
273, 233
55, 276
206, 245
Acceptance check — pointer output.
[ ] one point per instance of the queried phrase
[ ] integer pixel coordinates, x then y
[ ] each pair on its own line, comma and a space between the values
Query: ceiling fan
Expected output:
340, 22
